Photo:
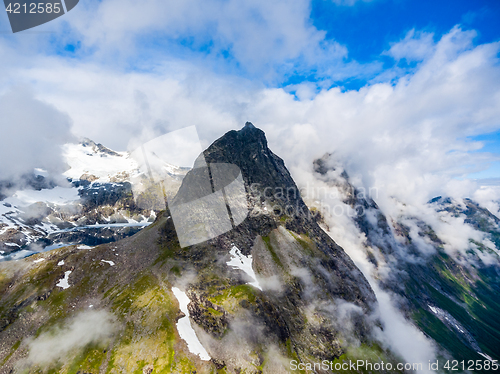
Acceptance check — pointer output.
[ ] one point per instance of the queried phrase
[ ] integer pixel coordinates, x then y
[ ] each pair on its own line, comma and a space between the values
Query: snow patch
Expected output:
60, 263
185, 329
63, 283
242, 262
83, 160
84, 247
111, 263
57, 195
485, 356
39, 260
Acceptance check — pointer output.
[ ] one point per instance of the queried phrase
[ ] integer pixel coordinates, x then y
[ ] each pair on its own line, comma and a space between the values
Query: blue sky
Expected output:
368, 28
491, 143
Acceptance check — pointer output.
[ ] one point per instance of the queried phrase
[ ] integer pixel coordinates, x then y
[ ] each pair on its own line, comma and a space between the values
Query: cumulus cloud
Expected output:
32, 133
84, 328
489, 197
408, 139
255, 37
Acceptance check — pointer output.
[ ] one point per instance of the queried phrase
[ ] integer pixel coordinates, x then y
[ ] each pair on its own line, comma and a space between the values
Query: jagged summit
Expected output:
248, 125
98, 147
248, 149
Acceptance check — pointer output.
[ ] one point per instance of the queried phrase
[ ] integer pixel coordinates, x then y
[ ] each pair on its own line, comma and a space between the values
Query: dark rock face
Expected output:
268, 181
247, 148
97, 194
287, 245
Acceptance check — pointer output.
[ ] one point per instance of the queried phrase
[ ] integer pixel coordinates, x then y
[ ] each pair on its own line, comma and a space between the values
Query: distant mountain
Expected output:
452, 294
106, 197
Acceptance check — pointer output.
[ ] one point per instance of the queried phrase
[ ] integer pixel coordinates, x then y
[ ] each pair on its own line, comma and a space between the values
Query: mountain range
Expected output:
95, 279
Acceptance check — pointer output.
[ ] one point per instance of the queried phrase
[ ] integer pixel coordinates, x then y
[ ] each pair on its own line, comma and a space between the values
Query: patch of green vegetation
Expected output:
12, 350
53, 370
89, 359
431, 234
292, 354
306, 244
167, 251
58, 308
483, 248
213, 282
370, 354
473, 301
230, 297
149, 334
4, 280
124, 298
270, 248
176, 270
438, 331
184, 365
216, 313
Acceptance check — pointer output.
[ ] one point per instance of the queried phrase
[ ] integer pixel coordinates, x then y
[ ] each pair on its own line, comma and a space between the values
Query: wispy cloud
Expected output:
84, 328
32, 133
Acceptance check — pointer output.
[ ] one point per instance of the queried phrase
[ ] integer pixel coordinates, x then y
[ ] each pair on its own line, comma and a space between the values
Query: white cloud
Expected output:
32, 133
489, 197
259, 36
408, 139
84, 328
400, 335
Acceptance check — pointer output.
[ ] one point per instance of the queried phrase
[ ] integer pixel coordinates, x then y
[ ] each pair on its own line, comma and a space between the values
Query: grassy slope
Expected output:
137, 291
471, 297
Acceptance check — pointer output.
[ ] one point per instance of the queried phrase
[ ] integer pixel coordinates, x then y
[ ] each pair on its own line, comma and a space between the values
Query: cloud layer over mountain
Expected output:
32, 133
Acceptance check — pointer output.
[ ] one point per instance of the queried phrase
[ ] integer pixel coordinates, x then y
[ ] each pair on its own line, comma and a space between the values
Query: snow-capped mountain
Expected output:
103, 196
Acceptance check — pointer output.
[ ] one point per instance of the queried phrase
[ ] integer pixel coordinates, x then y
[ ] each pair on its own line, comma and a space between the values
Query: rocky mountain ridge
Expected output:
451, 294
274, 289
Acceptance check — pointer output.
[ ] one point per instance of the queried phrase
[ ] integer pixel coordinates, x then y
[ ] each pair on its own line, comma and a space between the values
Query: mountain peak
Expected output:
248, 125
